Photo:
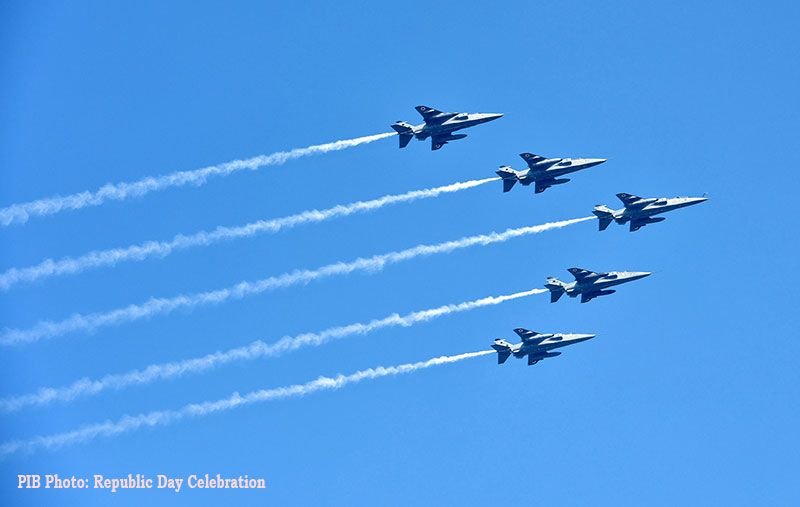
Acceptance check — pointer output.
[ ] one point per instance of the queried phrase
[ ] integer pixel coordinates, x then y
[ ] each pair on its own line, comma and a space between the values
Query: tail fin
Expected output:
503, 350
405, 132
604, 214
556, 287
509, 176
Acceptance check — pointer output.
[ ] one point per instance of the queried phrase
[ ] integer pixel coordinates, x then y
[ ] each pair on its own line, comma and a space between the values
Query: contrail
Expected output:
154, 306
148, 249
130, 423
255, 350
20, 213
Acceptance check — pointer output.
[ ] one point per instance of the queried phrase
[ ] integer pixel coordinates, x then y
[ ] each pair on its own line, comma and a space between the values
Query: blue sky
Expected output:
687, 395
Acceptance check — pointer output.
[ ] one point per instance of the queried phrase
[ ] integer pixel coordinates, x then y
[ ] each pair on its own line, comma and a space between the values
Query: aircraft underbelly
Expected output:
555, 173
666, 208
649, 213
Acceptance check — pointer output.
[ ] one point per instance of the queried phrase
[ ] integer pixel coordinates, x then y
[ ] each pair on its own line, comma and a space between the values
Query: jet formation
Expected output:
589, 285
536, 346
639, 211
544, 172
440, 126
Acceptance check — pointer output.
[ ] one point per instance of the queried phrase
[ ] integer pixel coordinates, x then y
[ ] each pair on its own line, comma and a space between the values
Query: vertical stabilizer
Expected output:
509, 175
556, 287
404, 131
503, 350
604, 214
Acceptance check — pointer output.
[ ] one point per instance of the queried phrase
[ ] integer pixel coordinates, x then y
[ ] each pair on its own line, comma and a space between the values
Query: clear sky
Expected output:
688, 395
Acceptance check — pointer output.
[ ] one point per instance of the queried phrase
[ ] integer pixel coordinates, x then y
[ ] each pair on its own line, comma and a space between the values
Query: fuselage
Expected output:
457, 122
597, 284
553, 342
656, 207
553, 168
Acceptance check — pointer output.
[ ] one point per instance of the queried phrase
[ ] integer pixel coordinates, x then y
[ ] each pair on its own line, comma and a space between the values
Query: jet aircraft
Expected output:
589, 284
544, 172
440, 126
639, 212
536, 346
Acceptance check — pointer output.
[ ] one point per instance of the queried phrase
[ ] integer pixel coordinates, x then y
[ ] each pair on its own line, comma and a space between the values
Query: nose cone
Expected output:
490, 116
591, 162
637, 275
581, 337
697, 200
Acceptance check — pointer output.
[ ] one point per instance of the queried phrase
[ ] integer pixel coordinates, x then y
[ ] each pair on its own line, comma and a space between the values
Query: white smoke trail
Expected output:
130, 423
148, 249
154, 306
255, 350
20, 213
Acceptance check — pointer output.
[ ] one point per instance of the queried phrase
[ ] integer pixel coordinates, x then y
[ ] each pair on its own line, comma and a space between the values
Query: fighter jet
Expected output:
544, 171
439, 126
590, 284
639, 212
535, 345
